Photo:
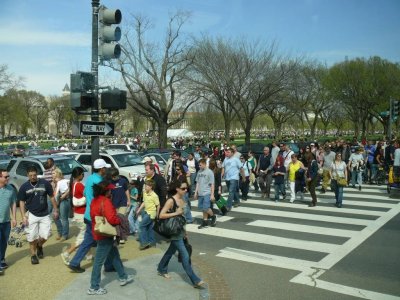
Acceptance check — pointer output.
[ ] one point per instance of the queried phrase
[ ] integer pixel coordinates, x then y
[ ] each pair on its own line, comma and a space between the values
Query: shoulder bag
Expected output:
171, 226
77, 201
340, 181
102, 227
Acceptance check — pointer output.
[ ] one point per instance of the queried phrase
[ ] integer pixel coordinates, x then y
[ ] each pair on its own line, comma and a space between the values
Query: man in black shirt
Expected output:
160, 184
33, 195
264, 173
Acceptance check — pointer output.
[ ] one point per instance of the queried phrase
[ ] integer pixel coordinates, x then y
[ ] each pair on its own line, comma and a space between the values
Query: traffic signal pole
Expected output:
95, 140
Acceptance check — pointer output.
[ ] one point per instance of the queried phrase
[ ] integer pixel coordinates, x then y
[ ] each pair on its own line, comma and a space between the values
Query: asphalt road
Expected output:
268, 250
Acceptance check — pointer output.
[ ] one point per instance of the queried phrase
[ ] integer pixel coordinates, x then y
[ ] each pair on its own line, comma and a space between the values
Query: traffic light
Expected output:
395, 108
82, 88
108, 33
113, 99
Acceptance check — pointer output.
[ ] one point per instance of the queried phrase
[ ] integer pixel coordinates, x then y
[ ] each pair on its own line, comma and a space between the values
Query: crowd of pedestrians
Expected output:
134, 207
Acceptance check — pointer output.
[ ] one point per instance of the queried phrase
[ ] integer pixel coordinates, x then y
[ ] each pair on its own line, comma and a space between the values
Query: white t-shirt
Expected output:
62, 185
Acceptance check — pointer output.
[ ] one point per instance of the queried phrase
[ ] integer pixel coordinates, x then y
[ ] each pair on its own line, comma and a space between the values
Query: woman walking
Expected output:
176, 206
312, 176
76, 188
61, 194
106, 249
294, 166
337, 171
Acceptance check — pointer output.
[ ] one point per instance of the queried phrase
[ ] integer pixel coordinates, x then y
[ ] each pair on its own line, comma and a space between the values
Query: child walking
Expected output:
151, 205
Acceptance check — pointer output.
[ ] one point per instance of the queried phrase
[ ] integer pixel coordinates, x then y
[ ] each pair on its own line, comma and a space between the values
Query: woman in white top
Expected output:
191, 163
338, 170
61, 194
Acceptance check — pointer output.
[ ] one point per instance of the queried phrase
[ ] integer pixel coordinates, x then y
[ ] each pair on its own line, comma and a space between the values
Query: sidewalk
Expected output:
147, 285
51, 279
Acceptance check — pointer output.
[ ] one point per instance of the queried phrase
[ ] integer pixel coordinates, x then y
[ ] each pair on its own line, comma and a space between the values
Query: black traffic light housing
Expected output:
113, 99
109, 34
82, 90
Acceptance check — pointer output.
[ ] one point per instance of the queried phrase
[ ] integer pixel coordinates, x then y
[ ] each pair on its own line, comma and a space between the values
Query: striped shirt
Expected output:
48, 174
8, 197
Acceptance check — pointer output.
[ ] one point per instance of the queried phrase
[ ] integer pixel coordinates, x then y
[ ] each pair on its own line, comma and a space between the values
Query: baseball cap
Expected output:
100, 163
146, 159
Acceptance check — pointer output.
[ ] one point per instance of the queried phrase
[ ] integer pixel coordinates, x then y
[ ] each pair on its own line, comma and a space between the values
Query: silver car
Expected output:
18, 166
128, 164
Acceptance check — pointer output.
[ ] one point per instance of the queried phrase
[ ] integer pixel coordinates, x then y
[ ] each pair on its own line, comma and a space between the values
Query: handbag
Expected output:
171, 226
77, 201
102, 227
341, 181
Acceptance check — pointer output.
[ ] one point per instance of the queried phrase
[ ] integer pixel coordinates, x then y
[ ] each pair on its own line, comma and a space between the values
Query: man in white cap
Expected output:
99, 171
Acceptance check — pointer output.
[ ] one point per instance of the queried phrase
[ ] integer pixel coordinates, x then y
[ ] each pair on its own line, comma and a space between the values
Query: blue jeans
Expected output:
204, 203
374, 170
106, 250
64, 214
88, 242
133, 221
356, 176
233, 189
192, 183
180, 246
5, 229
188, 212
279, 189
338, 193
56, 221
146, 233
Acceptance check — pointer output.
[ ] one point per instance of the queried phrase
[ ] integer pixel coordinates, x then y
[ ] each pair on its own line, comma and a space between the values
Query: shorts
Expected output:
204, 202
38, 227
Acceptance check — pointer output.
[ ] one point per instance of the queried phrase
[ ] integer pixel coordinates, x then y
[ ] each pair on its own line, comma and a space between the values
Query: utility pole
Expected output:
95, 140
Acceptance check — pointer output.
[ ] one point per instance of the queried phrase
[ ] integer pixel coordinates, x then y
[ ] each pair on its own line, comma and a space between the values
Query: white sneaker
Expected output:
128, 279
65, 258
99, 291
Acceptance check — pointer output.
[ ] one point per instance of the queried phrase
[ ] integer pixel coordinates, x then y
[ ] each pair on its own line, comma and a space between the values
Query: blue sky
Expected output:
46, 40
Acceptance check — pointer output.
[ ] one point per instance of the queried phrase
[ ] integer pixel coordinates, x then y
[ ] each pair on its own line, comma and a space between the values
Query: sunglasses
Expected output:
5, 177
177, 169
183, 188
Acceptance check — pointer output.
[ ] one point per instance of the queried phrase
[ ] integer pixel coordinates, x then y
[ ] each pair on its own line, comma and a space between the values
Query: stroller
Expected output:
16, 236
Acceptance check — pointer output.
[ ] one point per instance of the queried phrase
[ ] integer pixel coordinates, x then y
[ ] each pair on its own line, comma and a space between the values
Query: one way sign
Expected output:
96, 128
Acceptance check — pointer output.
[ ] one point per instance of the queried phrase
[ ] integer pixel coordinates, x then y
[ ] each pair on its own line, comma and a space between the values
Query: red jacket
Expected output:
109, 212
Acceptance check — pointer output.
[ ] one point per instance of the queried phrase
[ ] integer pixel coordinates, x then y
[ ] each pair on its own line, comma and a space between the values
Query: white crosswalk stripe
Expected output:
363, 213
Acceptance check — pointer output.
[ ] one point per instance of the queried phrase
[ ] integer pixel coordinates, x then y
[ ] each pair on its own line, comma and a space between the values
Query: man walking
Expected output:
205, 193
33, 194
160, 187
231, 167
99, 171
8, 200
264, 172
329, 157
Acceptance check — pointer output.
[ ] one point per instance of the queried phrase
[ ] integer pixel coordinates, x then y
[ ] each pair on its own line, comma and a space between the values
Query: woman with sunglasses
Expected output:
181, 176
176, 206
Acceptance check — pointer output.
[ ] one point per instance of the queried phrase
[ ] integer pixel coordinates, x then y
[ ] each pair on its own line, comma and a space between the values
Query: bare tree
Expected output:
154, 76
8, 80
310, 94
60, 112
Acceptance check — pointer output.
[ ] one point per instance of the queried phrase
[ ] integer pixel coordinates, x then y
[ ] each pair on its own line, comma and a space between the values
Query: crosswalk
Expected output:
329, 231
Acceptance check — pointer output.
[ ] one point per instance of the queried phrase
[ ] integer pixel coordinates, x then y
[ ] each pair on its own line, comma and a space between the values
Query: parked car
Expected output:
18, 166
257, 148
4, 160
34, 151
161, 158
129, 164
15, 150
122, 147
184, 153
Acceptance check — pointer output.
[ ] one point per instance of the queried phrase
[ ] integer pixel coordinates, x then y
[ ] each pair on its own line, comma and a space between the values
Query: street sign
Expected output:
94, 128
384, 113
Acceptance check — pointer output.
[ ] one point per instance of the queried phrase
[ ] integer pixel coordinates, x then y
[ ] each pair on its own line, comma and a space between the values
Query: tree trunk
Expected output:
227, 125
247, 133
162, 134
